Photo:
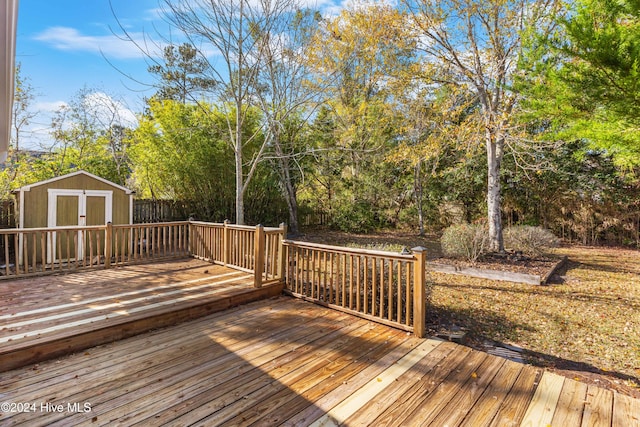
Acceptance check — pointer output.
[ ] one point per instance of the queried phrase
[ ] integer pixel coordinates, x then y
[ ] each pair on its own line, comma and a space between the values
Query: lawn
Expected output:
585, 325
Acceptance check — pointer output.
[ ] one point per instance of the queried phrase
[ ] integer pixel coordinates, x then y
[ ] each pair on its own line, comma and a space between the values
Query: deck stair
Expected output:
46, 317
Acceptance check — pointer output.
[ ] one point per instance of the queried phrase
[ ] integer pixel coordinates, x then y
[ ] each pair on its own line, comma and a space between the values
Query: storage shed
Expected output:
78, 198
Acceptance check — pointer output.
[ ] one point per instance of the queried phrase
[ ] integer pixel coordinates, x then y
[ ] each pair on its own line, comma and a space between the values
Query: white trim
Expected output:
72, 174
52, 214
131, 208
8, 36
20, 225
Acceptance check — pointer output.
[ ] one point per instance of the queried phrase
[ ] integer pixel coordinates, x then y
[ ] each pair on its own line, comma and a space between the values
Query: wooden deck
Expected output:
47, 316
283, 361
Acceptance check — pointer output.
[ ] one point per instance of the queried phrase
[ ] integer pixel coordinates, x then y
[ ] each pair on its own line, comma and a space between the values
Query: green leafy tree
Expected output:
287, 101
477, 45
180, 153
90, 133
235, 30
358, 57
586, 78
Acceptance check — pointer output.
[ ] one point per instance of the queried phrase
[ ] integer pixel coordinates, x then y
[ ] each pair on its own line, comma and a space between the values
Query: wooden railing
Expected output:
254, 249
40, 250
29, 251
385, 287
146, 242
382, 286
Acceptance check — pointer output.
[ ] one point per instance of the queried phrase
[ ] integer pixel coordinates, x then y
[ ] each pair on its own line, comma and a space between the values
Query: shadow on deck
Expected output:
286, 362
46, 317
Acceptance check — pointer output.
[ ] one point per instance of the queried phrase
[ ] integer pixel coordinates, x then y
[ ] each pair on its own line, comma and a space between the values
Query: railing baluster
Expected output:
6, 254
377, 285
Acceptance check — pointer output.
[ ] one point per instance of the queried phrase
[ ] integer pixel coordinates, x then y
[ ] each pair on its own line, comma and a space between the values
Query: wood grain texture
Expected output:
283, 361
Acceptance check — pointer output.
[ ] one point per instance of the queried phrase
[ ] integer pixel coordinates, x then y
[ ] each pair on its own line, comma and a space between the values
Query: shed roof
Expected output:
69, 175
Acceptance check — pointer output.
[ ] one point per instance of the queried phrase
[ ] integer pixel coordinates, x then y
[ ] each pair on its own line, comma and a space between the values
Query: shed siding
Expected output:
36, 200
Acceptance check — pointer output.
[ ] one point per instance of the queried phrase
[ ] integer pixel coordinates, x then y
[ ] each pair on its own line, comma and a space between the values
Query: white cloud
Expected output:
109, 111
49, 106
112, 46
102, 109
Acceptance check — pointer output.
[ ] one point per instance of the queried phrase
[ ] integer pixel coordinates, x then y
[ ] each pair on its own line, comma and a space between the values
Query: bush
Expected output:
356, 218
528, 239
466, 241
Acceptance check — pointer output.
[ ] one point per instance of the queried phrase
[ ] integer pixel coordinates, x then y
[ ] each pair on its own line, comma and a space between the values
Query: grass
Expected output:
589, 322
585, 326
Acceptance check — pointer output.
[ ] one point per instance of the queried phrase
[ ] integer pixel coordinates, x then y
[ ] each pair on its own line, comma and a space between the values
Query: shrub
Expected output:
528, 239
356, 218
466, 241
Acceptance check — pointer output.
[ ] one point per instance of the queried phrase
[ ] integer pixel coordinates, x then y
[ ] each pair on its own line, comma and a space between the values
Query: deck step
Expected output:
80, 317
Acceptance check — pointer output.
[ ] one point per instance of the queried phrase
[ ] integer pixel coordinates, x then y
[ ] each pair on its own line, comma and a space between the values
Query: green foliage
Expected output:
466, 241
356, 218
583, 80
181, 152
385, 129
182, 74
528, 239
579, 195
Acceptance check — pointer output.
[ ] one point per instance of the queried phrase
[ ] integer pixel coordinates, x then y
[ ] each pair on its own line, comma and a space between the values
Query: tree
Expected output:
287, 100
234, 29
477, 44
586, 79
358, 56
439, 143
179, 153
22, 113
182, 74
90, 133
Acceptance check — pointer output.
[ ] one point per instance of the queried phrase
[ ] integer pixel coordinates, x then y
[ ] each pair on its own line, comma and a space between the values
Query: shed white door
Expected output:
75, 208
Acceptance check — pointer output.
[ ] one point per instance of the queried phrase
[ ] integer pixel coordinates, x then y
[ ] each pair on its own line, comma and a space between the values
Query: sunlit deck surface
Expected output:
285, 361
41, 317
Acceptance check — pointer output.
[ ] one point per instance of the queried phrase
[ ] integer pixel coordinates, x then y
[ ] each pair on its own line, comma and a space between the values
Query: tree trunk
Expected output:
494, 214
289, 189
418, 193
292, 203
239, 183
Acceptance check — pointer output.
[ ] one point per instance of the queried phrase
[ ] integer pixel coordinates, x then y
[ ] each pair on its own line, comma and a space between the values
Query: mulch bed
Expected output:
539, 265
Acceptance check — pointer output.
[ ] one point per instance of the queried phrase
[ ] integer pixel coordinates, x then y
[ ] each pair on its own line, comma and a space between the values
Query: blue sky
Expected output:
66, 45
62, 46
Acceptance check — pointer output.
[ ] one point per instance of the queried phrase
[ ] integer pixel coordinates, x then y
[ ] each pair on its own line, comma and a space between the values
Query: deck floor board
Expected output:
282, 361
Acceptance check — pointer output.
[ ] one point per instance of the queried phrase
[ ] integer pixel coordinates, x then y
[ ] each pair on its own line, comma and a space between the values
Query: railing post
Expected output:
258, 264
226, 242
108, 236
282, 259
419, 290
188, 237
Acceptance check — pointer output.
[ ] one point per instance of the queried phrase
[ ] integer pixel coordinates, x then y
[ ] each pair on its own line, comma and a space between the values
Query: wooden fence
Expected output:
7, 213
383, 286
153, 211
